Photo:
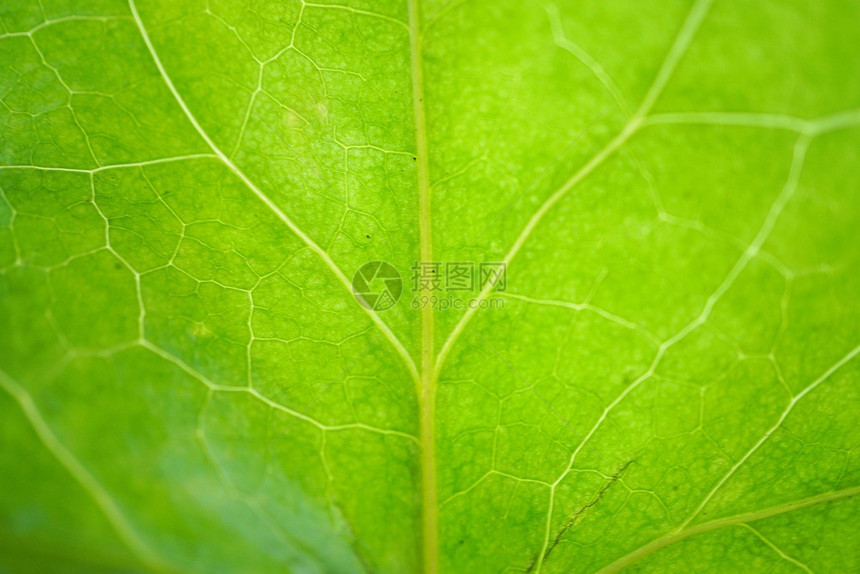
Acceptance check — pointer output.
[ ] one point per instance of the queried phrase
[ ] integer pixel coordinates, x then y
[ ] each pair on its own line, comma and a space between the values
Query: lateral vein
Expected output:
102, 498
753, 516
320, 252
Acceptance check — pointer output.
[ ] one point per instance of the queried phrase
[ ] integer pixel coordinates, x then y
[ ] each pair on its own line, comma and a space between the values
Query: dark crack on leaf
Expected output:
576, 516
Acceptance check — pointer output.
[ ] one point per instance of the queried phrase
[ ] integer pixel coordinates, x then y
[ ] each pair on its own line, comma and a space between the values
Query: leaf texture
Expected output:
189, 384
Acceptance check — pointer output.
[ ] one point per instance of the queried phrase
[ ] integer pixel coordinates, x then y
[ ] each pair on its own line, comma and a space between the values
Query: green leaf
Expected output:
667, 380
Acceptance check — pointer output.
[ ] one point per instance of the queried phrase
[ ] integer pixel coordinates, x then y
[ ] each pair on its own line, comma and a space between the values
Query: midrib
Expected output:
427, 378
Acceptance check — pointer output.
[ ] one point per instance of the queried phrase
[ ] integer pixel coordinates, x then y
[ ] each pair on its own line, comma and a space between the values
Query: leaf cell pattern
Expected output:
186, 187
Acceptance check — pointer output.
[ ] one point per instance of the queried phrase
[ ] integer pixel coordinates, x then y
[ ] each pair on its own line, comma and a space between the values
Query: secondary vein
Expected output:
319, 251
753, 516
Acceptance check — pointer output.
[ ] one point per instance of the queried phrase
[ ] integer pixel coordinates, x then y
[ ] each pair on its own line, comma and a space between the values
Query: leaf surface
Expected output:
189, 384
